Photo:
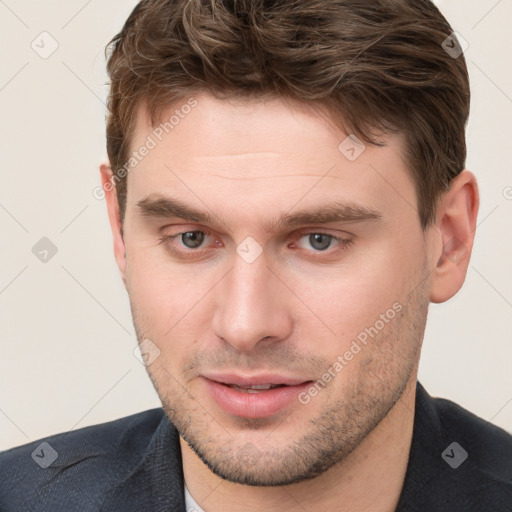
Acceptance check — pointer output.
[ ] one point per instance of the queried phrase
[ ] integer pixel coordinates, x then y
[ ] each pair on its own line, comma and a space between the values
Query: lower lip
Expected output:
253, 405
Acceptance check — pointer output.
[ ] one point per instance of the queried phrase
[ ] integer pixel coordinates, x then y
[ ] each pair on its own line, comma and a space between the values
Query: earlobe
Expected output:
114, 217
456, 224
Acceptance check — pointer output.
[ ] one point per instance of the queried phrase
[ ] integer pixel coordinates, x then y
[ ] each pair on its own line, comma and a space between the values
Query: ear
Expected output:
114, 216
456, 222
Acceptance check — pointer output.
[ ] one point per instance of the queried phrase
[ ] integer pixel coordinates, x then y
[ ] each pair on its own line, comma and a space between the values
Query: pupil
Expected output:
316, 237
192, 239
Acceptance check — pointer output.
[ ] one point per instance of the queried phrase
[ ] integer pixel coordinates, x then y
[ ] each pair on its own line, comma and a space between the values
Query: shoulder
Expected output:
488, 445
458, 460
86, 461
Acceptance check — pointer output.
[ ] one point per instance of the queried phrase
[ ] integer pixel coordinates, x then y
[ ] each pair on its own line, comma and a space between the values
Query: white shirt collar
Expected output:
190, 503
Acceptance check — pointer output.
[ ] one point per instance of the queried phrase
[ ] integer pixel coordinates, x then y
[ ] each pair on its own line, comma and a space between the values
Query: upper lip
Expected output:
254, 380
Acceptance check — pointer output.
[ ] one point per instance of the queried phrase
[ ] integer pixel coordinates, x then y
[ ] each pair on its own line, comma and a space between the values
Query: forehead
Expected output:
271, 152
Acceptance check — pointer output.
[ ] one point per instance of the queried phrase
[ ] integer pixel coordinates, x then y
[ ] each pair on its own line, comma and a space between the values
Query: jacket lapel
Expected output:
156, 482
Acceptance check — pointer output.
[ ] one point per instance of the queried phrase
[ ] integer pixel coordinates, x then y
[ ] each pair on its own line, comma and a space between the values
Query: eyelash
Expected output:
343, 243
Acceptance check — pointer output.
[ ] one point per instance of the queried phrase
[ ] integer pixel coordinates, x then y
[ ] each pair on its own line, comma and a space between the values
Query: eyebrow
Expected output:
157, 206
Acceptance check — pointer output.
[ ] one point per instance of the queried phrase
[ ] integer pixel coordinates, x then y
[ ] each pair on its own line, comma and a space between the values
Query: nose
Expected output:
252, 305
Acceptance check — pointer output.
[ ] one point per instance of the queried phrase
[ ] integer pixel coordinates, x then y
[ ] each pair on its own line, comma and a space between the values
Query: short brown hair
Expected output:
374, 66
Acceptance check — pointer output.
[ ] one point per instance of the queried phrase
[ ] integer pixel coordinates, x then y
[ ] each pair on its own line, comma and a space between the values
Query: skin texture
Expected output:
295, 309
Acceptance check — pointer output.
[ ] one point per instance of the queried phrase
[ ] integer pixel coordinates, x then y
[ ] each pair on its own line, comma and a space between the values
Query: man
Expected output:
287, 194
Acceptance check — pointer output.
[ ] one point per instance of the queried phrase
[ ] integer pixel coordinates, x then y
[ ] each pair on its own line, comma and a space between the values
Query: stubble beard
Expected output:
385, 370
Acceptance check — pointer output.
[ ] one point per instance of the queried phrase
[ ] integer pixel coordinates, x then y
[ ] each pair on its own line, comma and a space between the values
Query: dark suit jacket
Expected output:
134, 465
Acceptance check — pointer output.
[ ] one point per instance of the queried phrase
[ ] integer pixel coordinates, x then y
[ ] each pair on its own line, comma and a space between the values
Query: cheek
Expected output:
164, 296
167, 309
351, 298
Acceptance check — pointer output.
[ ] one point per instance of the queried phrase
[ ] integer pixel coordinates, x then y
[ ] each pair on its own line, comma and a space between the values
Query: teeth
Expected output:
256, 388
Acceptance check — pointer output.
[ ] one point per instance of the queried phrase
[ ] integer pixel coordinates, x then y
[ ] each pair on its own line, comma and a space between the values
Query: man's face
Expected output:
331, 309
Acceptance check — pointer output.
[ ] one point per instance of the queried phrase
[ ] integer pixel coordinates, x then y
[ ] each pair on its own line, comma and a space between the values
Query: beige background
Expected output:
67, 340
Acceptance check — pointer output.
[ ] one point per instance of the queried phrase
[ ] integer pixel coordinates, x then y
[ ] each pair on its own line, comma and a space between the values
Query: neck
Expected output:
369, 479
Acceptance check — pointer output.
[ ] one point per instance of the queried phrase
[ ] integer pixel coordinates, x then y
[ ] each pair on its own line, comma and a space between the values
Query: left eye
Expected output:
319, 241
192, 239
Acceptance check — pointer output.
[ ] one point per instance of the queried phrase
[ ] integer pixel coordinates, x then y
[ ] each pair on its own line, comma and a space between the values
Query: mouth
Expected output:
256, 396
